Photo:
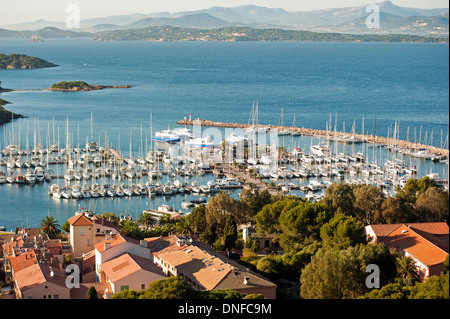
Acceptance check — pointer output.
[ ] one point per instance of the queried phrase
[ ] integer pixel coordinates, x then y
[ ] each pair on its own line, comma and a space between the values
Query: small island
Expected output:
21, 61
83, 86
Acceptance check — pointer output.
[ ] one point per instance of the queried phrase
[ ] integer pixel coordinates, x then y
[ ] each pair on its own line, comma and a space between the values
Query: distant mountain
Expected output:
420, 25
198, 20
48, 32
36, 25
394, 19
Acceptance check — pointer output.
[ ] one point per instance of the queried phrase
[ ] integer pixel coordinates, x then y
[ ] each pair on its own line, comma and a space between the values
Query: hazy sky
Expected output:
18, 11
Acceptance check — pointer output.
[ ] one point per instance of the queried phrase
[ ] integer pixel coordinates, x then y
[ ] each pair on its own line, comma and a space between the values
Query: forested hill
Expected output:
21, 61
167, 33
171, 33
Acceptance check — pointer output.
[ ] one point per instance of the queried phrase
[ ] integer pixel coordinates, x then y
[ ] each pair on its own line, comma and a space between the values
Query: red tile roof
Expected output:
411, 241
79, 220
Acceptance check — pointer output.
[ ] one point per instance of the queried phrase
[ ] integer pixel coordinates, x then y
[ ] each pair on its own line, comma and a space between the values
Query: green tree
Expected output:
254, 296
168, 288
197, 219
407, 270
435, 287
91, 293
130, 229
147, 221
267, 219
414, 188
301, 224
395, 210
220, 207
368, 201
230, 233
254, 201
66, 227
389, 291
342, 231
340, 274
126, 294
339, 198
433, 205
220, 294
49, 226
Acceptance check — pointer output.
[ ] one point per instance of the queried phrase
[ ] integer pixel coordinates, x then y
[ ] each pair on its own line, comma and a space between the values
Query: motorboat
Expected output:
200, 142
167, 136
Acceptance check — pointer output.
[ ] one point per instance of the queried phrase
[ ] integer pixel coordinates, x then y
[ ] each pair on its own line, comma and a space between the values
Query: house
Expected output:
205, 269
129, 272
86, 231
40, 281
425, 243
262, 241
35, 265
124, 263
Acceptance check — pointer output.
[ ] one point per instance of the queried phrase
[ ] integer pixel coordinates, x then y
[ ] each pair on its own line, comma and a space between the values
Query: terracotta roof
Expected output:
37, 274
209, 268
432, 228
415, 244
382, 230
127, 264
79, 220
22, 261
116, 239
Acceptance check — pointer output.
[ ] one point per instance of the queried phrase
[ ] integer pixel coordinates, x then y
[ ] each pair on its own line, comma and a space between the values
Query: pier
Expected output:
440, 152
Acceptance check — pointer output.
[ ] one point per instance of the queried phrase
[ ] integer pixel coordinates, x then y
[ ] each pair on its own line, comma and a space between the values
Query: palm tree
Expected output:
147, 221
407, 270
183, 226
50, 226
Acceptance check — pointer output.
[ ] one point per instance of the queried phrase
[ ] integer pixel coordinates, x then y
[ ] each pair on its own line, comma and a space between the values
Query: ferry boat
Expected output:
200, 142
184, 133
167, 136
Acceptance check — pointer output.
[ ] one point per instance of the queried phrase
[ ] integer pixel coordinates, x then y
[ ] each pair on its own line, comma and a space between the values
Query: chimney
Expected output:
107, 245
144, 243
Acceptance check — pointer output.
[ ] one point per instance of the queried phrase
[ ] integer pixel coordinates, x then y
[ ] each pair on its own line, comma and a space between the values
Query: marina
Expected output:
182, 164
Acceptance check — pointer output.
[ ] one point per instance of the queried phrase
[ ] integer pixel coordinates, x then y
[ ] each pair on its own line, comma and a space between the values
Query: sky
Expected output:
19, 11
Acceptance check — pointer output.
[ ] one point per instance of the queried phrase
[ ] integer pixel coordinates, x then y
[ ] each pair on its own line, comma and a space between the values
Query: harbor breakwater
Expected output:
400, 144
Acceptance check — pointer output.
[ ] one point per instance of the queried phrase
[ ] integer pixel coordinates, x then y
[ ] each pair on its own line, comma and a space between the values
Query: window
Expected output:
122, 288
55, 296
82, 231
88, 242
142, 286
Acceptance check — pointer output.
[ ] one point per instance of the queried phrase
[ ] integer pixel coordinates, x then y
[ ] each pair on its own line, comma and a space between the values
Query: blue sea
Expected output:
375, 85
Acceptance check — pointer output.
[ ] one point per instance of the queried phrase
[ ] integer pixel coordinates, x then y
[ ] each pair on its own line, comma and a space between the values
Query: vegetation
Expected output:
169, 33
21, 61
91, 293
175, 288
49, 226
69, 85
5, 115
